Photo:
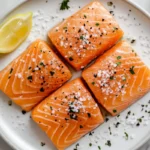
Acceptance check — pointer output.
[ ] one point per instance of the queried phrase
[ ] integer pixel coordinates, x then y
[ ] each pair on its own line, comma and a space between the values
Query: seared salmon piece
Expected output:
85, 35
33, 75
118, 78
68, 114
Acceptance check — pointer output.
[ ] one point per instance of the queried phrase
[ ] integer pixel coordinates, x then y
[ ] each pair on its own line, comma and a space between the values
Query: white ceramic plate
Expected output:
23, 134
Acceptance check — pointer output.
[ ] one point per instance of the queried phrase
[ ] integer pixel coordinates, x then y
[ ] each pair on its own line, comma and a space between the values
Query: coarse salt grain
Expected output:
33, 59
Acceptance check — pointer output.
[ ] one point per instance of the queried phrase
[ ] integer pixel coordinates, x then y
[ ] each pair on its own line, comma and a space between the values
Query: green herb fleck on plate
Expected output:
108, 143
64, 5
126, 135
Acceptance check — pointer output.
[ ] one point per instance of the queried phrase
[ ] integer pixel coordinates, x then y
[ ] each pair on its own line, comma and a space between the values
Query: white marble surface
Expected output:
143, 3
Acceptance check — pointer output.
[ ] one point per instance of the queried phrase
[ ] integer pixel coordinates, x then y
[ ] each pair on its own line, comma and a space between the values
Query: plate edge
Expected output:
134, 148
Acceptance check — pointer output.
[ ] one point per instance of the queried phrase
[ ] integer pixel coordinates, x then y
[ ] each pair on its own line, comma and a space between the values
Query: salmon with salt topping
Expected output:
86, 34
118, 78
33, 75
68, 114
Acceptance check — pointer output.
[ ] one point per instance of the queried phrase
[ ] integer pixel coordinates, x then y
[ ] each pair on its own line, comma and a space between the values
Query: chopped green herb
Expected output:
108, 143
42, 64
140, 120
122, 86
117, 124
109, 3
114, 111
132, 70
85, 16
93, 83
90, 144
112, 77
118, 63
126, 135
71, 109
110, 130
81, 37
52, 73
119, 57
73, 116
71, 59
97, 24
51, 107
99, 147
64, 5
11, 70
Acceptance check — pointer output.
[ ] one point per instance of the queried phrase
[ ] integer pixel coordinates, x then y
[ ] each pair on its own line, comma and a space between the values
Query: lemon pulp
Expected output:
14, 31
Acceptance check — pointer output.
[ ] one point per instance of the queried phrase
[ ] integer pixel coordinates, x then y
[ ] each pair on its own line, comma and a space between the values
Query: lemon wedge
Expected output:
14, 31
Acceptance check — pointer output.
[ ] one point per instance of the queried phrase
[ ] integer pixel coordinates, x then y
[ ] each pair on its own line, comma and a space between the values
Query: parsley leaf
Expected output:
64, 5
132, 70
126, 135
97, 24
81, 37
119, 57
118, 63
93, 83
108, 143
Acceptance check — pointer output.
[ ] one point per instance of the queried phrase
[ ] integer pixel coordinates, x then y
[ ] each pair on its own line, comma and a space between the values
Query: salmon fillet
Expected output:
68, 114
85, 35
118, 78
33, 75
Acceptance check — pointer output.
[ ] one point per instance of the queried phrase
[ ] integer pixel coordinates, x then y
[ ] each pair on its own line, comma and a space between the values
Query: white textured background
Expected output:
8, 4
